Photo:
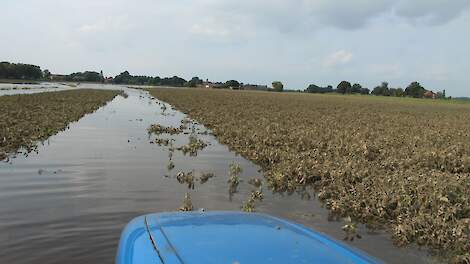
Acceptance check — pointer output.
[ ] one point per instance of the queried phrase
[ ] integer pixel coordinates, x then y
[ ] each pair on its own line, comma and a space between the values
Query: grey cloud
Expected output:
291, 15
434, 12
346, 14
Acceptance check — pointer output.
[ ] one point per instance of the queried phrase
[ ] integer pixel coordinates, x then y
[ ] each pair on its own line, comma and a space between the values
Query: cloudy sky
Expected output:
254, 41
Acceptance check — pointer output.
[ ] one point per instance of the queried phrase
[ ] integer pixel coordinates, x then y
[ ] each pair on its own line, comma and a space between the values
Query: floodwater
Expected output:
9, 88
69, 202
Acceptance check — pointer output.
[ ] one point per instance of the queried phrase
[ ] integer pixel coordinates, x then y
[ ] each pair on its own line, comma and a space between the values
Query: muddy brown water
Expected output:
69, 202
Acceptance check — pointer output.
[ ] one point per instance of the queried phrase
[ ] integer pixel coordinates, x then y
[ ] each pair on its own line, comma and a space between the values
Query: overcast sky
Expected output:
254, 41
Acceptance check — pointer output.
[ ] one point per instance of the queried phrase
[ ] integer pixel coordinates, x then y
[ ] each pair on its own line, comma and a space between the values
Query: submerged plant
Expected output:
249, 205
401, 165
170, 165
186, 178
27, 119
163, 107
205, 177
193, 146
187, 204
350, 229
159, 129
234, 179
256, 182
162, 141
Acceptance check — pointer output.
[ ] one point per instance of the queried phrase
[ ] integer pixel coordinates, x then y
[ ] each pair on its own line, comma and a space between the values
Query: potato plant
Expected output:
27, 119
395, 163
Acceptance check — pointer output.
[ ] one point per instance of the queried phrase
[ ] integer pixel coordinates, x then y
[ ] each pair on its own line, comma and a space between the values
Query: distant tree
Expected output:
356, 88
20, 71
278, 86
344, 87
232, 83
382, 89
195, 81
173, 81
154, 81
46, 74
313, 88
415, 90
122, 78
365, 91
126, 78
88, 76
397, 92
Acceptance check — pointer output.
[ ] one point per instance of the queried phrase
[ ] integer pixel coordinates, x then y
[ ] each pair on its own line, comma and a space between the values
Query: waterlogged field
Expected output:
27, 119
398, 164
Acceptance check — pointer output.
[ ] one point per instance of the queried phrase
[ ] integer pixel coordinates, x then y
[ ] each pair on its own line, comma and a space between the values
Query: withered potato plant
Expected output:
29, 118
399, 164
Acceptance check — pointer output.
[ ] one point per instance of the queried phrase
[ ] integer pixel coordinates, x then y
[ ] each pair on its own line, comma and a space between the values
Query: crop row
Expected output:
399, 164
27, 119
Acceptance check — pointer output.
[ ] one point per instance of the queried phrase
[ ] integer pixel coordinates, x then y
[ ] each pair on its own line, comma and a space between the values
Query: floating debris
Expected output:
187, 204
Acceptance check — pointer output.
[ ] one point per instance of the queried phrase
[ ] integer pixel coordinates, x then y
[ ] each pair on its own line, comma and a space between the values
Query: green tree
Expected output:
382, 89
232, 84
365, 91
313, 88
20, 71
195, 81
397, 92
88, 76
415, 90
46, 75
278, 86
122, 78
356, 88
344, 87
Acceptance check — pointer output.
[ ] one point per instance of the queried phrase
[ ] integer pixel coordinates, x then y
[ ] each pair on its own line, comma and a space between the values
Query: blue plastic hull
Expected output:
228, 237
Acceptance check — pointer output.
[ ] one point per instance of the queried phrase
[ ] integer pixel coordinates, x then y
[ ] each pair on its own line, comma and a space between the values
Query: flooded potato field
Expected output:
10, 89
69, 201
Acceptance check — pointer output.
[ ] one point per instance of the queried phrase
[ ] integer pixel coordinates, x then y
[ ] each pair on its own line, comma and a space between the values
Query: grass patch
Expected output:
399, 164
27, 119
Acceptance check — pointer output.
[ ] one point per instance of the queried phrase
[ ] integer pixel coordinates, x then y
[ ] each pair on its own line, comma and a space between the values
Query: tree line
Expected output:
20, 71
87, 76
127, 78
33, 72
415, 89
